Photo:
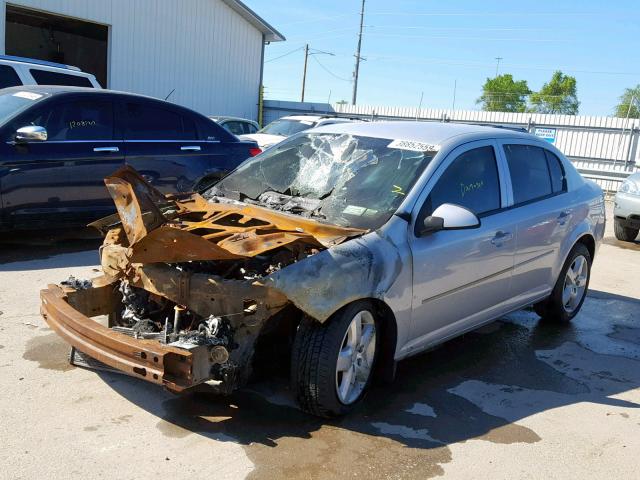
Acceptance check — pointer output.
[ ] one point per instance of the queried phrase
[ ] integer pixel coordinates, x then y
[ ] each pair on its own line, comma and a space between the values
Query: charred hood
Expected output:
187, 228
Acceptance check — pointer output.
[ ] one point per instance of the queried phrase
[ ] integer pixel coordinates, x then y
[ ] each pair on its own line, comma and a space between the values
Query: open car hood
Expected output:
186, 227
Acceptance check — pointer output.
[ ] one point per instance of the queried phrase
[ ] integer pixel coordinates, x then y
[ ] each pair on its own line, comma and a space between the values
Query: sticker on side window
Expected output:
28, 95
413, 146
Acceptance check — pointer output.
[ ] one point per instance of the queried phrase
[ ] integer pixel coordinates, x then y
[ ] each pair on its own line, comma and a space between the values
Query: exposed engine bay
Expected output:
194, 277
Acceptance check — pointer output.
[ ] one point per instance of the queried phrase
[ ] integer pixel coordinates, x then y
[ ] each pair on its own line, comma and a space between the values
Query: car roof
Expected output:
312, 118
62, 89
224, 118
34, 61
434, 133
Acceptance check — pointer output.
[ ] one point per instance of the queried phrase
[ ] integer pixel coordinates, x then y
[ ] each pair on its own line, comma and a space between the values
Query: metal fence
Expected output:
604, 149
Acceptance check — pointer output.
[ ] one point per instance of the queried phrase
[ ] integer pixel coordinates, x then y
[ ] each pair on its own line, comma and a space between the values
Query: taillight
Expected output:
253, 151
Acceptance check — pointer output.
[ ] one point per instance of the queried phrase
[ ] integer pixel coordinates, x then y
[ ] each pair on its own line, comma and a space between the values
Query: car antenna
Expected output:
170, 93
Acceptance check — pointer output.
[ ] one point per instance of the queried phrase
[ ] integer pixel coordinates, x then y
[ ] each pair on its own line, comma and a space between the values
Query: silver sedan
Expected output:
363, 243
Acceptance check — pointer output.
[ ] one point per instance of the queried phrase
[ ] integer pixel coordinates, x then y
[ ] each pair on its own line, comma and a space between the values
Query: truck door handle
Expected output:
563, 217
501, 237
106, 149
190, 148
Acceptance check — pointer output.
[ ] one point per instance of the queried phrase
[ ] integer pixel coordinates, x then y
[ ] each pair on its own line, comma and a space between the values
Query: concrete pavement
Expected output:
517, 398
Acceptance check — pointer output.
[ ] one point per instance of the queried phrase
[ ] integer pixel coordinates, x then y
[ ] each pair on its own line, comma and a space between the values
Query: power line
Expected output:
330, 72
486, 14
458, 37
283, 55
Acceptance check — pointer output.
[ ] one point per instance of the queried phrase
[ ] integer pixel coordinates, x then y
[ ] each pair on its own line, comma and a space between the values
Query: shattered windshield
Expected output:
286, 128
341, 179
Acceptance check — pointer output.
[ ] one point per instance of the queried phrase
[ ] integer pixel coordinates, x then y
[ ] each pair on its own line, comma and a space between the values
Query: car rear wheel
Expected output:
332, 362
623, 233
570, 289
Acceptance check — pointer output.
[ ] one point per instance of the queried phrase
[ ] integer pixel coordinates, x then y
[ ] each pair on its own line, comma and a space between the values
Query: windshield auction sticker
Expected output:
413, 146
28, 95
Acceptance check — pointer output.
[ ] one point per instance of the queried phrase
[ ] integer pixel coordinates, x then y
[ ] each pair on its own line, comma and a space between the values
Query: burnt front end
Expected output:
186, 291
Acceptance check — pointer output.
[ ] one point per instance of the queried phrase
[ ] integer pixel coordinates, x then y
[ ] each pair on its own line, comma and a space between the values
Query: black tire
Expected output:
314, 360
622, 233
552, 309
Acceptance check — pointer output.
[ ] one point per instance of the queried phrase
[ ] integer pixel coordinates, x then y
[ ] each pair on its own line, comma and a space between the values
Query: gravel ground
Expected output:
514, 399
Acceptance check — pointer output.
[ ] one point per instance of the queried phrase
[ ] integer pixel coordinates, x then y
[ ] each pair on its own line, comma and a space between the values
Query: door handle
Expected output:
190, 148
563, 217
501, 237
106, 149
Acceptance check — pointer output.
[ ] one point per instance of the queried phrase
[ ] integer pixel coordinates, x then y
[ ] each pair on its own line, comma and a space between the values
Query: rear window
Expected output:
529, 171
287, 128
8, 77
45, 77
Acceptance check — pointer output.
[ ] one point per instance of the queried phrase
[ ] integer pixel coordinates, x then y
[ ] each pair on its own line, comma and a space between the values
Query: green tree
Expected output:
503, 94
558, 96
625, 106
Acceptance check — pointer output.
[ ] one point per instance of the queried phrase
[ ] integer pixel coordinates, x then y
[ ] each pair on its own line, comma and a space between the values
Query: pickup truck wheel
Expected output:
570, 289
623, 233
332, 362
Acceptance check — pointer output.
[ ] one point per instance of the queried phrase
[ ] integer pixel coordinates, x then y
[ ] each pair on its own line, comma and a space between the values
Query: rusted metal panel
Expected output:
193, 229
144, 359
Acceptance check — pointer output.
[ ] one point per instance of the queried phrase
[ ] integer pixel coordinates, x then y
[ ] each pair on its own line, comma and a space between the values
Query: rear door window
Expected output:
529, 173
470, 181
46, 77
9, 77
148, 122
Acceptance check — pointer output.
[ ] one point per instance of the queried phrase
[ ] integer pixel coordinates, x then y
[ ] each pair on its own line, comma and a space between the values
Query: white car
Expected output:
626, 209
284, 127
18, 71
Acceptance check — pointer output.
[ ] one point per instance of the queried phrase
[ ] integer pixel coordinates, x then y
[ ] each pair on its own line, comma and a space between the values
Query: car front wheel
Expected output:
332, 362
622, 233
570, 289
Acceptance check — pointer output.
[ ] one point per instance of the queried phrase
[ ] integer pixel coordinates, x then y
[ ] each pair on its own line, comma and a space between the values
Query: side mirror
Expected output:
32, 133
449, 217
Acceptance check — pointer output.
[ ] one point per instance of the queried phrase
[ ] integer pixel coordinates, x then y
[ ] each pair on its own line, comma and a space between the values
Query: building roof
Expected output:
270, 33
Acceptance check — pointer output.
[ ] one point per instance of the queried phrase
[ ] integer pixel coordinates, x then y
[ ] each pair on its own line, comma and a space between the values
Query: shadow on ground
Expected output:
31, 250
476, 386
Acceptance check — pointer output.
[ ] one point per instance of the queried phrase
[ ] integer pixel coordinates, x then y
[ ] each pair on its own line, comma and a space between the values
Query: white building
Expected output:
210, 53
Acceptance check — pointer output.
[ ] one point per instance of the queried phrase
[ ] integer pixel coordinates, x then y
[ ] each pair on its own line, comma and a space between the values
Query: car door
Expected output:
462, 278
61, 179
165, 146
538, 183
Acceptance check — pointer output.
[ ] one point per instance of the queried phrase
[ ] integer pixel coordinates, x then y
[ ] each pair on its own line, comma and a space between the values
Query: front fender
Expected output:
365, 267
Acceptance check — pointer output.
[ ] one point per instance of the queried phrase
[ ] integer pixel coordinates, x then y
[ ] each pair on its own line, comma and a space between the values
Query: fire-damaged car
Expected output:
347, 248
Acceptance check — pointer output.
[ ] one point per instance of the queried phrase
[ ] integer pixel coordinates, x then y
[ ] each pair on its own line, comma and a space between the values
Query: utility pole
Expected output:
304, 73
356, 71
498, 64
455, 86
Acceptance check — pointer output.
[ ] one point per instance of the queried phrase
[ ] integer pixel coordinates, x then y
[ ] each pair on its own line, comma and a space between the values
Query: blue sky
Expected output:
414, 46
